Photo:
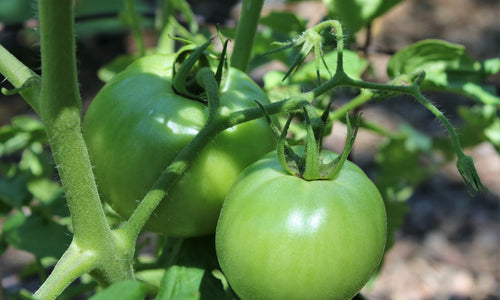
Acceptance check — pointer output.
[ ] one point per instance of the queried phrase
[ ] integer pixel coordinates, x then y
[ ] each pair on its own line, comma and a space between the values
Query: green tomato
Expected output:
282, 237
137, 124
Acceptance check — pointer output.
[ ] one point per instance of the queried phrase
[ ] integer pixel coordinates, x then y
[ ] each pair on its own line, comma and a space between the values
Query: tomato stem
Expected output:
245, 33
134, 23
61, 113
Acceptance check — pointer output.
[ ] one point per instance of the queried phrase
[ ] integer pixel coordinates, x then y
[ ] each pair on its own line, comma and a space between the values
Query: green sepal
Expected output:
190, 59
310, 165
311, 160
289, 160
223, 62
467, 170
332, 169
309, 41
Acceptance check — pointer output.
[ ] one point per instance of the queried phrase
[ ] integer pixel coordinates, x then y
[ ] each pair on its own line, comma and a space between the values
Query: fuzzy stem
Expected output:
60, 108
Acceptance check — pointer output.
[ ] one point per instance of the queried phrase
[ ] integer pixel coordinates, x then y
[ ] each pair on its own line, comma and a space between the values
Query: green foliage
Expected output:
128, 289
448, 68
356, 14
42, 237
13, 11
193, 274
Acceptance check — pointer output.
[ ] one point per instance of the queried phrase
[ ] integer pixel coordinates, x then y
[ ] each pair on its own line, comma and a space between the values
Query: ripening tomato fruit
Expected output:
137, 124
283, 237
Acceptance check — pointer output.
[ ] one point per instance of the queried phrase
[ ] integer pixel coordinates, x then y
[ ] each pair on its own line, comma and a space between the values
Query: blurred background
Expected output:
448, 246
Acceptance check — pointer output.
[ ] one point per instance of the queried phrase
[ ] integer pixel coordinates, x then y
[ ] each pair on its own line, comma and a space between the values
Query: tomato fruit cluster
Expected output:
137, 124
282, 237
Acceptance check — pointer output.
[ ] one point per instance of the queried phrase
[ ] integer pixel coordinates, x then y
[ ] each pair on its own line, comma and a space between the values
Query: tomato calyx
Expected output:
189, 62
310, 165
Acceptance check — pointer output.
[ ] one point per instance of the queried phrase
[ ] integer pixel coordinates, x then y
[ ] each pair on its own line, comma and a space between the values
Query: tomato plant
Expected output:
167, 136
133, 135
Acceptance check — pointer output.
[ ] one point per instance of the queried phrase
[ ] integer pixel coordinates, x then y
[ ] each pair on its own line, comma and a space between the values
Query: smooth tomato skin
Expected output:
282, 237
137, 124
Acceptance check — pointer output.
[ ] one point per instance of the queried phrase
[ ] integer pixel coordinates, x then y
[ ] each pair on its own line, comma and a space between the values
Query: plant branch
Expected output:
24, 80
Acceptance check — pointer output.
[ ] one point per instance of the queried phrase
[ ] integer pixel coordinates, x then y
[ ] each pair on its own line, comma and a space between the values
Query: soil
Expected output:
448, 247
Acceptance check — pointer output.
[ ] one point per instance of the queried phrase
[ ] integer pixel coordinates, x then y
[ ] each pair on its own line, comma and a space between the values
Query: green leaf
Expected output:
448, 68
14, 11
42, 237
151, 276
181, 282
117, 65
481, 124
492, 132
45, 189
36, 161
356, 14
399, 164
20, 133
191, 275
283, 22
396, 212
128, 289
13, 191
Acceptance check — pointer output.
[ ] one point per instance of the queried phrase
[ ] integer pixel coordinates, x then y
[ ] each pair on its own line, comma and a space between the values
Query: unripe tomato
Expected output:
137, 124
282, 237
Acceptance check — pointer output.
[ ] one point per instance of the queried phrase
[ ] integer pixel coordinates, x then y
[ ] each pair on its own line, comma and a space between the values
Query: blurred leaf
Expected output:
22, 131
356, 14
448, 68
399, 164
15, 11
42, 237
492, 132
3, 245
128, 289
117, 65
481, 124
36, 161
151, 276
354, 66
104, 16
396, 212
283, 22
13, 191
44, 189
